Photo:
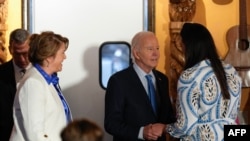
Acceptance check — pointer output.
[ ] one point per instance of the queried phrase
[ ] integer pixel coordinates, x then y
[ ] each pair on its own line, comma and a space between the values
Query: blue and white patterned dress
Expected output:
201, 110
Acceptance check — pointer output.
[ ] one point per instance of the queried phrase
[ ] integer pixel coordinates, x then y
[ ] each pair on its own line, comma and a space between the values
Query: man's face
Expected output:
148, 54
19, 52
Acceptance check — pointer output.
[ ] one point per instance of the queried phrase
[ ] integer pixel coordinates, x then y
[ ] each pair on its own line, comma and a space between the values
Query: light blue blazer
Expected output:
38, 111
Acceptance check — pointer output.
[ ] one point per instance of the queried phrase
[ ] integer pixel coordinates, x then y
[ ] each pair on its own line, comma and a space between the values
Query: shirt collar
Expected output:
140, 71
18, 69
49, 78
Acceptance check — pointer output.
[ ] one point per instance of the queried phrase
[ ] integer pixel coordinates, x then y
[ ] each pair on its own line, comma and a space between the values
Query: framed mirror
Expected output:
113, 57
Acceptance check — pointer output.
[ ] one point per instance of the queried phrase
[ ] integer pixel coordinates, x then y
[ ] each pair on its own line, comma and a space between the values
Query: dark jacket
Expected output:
7, 94
127, 106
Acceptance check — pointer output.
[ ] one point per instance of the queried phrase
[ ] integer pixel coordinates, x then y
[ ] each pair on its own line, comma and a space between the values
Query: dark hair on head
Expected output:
199, 45
19, 36
45, 45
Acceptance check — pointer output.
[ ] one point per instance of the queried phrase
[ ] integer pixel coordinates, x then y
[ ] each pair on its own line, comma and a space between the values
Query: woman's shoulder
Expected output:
196, 72
229, 69
227, 65
33, 76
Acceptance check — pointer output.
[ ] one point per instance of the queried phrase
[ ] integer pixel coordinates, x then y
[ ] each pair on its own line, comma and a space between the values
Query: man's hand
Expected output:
159, 128
152, 132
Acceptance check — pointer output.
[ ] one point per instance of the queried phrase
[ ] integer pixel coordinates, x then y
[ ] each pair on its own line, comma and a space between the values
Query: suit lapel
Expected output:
140, 90
159, 88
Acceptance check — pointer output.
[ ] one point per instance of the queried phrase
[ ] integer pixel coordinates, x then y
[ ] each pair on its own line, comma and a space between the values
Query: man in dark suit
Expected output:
10, 74
129, 115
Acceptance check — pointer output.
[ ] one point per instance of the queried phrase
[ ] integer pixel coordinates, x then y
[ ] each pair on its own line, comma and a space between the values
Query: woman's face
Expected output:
56, 61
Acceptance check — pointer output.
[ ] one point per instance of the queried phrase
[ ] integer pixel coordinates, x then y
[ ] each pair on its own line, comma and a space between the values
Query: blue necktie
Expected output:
151, 92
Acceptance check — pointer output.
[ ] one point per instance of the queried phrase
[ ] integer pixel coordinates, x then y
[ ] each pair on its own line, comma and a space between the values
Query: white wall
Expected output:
87, 24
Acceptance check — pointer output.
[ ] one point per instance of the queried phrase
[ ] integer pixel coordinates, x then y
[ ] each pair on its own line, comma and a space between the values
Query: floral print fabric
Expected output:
201, 110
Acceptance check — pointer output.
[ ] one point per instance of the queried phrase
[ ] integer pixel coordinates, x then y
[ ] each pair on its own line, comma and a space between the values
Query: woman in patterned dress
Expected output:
209, 90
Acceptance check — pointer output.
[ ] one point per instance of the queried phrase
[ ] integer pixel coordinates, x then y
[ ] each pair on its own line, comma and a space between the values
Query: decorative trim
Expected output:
3, 28
151, 15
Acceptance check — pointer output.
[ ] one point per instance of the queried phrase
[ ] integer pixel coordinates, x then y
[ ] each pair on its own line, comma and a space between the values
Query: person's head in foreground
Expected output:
82, 130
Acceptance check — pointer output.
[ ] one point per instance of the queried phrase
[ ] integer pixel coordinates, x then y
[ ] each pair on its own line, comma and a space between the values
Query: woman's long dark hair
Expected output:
199, 45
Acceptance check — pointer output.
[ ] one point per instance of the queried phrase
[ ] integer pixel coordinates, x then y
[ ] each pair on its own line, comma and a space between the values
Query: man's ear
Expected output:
135, 54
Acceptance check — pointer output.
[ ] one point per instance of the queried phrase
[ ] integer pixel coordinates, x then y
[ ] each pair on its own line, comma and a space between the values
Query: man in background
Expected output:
10, 74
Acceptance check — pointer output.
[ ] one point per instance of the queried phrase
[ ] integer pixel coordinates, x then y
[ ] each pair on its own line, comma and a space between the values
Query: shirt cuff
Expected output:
140, 136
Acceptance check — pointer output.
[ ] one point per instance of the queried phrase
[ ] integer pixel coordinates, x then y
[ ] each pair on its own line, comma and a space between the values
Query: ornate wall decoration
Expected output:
3, 28
180, 11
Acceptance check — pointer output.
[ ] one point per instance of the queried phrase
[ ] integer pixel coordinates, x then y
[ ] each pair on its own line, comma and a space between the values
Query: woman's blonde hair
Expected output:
45, 45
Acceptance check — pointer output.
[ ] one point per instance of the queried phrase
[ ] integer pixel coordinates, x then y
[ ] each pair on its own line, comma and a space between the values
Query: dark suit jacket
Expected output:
127, 106
7, 94
7, 73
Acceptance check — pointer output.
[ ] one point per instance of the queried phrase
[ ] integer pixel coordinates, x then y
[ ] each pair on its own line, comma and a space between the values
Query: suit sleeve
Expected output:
114, 110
